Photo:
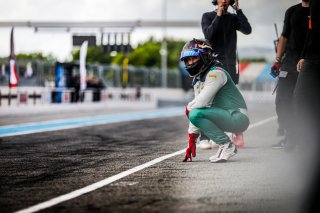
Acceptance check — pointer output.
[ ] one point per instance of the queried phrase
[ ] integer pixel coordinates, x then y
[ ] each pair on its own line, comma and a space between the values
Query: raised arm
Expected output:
243, 24
209, 25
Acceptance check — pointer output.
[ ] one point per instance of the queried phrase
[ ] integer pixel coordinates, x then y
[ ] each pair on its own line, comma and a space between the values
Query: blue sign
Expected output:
60, 82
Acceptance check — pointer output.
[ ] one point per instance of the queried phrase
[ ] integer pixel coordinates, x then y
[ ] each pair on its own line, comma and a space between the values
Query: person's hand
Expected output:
187, 111
220, 9
275, 69
235, 6
191, 149
299, 64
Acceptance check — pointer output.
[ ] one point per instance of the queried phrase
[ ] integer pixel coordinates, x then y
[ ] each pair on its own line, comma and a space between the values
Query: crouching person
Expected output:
218, 106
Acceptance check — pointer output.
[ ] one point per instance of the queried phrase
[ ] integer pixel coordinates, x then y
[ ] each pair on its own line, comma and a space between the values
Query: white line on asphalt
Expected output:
112, 179
262, 122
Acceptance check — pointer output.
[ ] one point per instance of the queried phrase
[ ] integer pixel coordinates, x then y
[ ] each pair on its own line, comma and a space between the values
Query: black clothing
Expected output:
307, 104
295, 30
312, 45
307, 98
222, 35
306, 94
284, 101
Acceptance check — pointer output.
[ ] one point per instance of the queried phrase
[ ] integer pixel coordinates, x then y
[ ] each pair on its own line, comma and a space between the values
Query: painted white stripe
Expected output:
262, 122
112, 179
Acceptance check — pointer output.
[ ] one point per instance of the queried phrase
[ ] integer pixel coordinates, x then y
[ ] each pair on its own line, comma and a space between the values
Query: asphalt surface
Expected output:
38, 167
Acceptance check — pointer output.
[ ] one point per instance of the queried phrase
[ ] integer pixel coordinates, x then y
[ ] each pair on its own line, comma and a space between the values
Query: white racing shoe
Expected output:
207, 144
224, 153
214, 157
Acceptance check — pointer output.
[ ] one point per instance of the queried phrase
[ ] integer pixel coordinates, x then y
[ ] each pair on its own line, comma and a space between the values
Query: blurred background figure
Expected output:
75, 84
138, 93
3, 72
96, 85
29, 71
94, 82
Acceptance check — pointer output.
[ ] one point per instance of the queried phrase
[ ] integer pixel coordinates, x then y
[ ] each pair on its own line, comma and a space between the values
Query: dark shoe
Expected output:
280, 144
289, 146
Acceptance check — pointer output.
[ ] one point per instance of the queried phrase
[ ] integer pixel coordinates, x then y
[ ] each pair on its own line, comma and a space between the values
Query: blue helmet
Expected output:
200, 49
194, 48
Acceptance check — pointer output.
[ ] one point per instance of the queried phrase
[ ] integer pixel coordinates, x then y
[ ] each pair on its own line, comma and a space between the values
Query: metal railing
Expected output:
43, 74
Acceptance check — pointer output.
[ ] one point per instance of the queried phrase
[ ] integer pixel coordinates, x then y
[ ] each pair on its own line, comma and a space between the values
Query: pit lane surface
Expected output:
38, 167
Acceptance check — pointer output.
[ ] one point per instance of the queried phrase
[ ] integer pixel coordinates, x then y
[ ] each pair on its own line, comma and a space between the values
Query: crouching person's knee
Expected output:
195, 115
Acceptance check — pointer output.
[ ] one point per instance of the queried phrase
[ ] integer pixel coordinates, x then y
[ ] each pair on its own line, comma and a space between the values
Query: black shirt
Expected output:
221, 31
295, 29
312, 45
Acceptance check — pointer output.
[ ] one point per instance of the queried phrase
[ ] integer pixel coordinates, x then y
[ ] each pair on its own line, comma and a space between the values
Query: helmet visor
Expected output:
195, 52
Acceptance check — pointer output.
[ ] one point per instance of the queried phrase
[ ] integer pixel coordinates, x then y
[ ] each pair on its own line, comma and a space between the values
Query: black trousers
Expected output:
307, 108
307, 101
284, 100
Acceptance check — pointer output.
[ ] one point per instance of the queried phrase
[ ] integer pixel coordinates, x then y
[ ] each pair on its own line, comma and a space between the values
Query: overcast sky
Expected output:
262, 14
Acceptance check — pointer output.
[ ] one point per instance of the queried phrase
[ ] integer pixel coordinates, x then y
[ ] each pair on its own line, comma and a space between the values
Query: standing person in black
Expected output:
220, 29
307, 105
289, 49
306, 94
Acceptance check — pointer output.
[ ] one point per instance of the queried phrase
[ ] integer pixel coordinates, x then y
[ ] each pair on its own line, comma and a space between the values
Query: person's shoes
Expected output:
279, 145
224, 153
289, 146
214, 157
205, 144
